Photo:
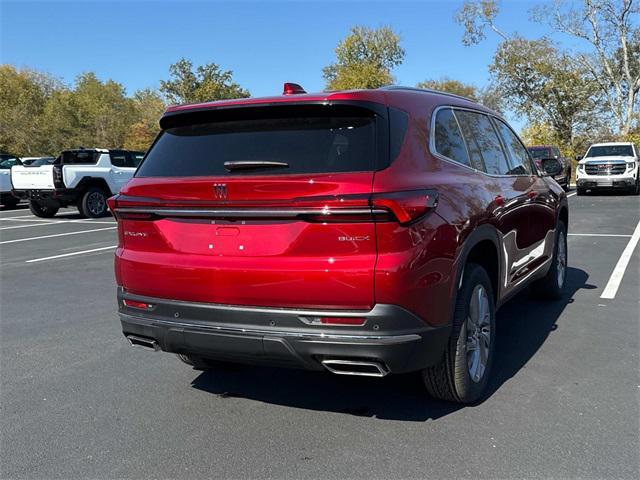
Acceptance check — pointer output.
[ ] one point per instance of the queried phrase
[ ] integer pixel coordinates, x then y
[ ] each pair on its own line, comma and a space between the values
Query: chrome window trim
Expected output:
435, 153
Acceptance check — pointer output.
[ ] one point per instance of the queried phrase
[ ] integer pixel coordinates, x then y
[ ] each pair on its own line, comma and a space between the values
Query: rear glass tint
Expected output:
78, 157
307, 144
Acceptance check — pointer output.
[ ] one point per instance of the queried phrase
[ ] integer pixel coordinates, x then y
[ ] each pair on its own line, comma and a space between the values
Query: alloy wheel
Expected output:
478, 329
96, 203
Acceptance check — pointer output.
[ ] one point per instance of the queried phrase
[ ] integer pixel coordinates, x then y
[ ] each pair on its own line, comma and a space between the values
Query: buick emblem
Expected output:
220, 191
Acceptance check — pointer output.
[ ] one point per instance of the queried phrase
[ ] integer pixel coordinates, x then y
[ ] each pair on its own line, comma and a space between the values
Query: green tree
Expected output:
364, 59
23, 97
148, 108
207, 83
608, 28
451, 86
611, 31
487, 96
542, 84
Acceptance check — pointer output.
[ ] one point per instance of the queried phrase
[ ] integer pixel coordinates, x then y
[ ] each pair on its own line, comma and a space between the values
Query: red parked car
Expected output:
361, 232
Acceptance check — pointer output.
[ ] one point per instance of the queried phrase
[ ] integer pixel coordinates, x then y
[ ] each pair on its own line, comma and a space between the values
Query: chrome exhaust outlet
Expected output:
362, 368
146, 343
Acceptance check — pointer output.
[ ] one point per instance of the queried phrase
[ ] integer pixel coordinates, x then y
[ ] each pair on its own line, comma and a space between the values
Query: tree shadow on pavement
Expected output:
523, 326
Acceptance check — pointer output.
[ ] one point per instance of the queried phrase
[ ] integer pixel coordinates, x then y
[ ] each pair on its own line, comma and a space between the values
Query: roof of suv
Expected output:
384, 95
611, 144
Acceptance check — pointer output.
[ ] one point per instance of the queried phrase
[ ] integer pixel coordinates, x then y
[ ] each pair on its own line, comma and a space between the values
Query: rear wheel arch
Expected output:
563, 215
88, 182
482, 248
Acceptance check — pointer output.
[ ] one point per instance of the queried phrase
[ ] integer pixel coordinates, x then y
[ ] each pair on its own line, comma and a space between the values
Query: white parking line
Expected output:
56, 220
592, 235
618, 272
56, 235
70, 254
30, 225
49, 222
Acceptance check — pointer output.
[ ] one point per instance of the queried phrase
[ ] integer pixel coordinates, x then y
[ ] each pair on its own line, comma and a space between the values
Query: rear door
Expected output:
122, 168
259, 207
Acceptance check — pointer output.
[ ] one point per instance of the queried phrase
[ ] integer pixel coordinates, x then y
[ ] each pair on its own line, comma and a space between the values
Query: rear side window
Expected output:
304, 144
134, 159
520, 163
118, 158
78, 157
448, 139
480, 135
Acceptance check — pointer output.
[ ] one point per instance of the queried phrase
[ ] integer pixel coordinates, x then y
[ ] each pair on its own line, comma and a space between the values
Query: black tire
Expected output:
93, 203
580, 191
551, 286
451, 379
200, 363
42, 211
636, 189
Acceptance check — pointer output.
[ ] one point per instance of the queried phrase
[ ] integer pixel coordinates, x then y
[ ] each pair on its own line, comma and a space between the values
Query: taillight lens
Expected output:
406, 206
57, 176
136, 304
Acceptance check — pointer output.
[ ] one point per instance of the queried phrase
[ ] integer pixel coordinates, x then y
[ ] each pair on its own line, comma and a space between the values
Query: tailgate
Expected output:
213, 215
32, 178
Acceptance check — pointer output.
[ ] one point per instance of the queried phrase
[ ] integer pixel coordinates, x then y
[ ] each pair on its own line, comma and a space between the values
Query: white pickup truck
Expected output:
609, 166
83, 177
6, 162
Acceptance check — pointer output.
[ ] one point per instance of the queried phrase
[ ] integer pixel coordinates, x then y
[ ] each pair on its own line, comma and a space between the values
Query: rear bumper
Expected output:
57, 197
391, 335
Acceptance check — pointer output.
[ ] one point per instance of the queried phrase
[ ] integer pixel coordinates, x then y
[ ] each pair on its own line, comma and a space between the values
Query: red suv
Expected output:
361, 232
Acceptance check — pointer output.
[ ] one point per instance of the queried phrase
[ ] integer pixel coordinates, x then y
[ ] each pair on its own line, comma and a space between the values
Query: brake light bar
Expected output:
404, 207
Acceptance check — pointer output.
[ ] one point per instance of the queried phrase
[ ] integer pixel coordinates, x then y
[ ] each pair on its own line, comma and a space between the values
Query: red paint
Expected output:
409, 258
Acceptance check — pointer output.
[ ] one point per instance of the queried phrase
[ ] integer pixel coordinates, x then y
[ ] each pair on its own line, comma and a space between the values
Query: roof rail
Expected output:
425, 90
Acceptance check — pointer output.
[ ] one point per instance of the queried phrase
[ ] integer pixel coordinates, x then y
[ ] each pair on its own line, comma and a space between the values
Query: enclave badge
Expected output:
220, 191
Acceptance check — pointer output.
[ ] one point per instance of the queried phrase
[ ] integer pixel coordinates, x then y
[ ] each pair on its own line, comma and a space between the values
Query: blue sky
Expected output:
264, 43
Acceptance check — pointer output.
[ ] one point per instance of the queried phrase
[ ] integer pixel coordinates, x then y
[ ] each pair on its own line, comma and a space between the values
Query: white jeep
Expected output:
609, 165
83, 177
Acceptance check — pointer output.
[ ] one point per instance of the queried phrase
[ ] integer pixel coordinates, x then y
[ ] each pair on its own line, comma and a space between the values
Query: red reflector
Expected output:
135, 304
342, 320
407, 206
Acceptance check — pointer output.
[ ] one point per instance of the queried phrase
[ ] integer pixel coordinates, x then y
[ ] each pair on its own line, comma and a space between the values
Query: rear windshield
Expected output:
540, 153
300, 144
611, 151
74, 157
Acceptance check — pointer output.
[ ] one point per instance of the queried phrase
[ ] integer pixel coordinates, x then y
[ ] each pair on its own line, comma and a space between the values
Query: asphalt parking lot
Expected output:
77, 401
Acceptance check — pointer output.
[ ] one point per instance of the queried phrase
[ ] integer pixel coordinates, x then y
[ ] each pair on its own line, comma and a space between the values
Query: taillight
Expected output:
406, 206
136, 304
57, 176
114, 205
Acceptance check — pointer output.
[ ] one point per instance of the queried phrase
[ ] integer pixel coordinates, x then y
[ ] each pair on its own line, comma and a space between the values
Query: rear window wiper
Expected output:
251, 164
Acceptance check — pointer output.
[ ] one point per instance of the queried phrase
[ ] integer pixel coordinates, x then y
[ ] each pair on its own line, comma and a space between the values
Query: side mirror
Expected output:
551, 167
578, 158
